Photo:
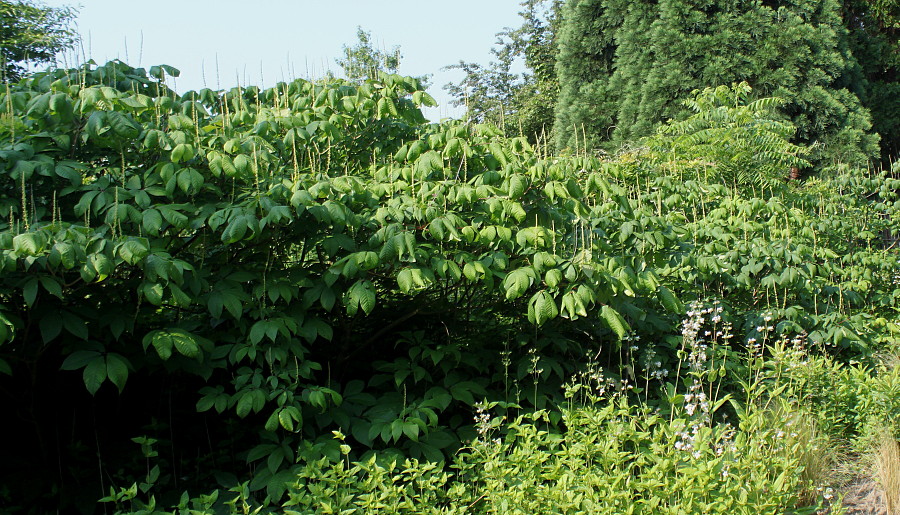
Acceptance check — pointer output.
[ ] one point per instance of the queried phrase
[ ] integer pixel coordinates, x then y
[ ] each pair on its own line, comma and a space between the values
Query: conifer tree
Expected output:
874, 27
625, 67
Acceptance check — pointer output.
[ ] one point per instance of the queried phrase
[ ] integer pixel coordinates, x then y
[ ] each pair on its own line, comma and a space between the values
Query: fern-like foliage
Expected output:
743, 141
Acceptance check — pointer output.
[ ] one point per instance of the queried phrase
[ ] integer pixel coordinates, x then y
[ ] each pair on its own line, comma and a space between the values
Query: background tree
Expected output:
625, 66
874, 30
363, 61
520, 103
32, 34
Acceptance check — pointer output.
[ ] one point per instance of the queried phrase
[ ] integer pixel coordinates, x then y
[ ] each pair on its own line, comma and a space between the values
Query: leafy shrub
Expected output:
262, 267
736, 139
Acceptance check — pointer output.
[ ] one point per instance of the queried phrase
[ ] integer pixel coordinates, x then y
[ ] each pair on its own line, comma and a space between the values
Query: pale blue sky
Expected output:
265, 41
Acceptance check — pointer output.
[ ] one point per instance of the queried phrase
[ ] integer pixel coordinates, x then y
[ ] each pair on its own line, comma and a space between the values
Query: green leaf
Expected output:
66, 254
29, 291
670, 301
542, 307
284, 417
272, 425
615, 321
361, 295
161, 341
117, 370
66, 171
51, 326
133, 251
517, 186
52, 286
123, 125
185, 343
28, 244
236, 229
244, 404
96, 124
102, 265
79, 359
94, 374
182, 152
173, 216
517, 282
153, 292
75, 325
258, 331
405, 280
553, 277
151, 221
215, 304
411, 430
233, 304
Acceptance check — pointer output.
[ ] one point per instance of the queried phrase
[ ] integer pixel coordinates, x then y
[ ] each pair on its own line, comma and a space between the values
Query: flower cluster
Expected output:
653, 365
702, 330
687, 439
596, 384
482, 420
703, 327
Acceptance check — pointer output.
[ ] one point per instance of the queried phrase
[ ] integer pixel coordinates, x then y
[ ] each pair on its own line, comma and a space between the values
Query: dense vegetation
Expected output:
309, 299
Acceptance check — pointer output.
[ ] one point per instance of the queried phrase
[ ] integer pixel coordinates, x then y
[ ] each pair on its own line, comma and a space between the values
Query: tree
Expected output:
874, 30
520, 103
32, 34
363, 61
624, 68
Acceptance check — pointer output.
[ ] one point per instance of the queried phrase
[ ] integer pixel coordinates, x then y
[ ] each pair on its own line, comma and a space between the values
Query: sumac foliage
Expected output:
236, 274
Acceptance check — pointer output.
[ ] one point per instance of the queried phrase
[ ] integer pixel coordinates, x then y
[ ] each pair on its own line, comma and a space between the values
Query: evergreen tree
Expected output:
625, 67
874, 27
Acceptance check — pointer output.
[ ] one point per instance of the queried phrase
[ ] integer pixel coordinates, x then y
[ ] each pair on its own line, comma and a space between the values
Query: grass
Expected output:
887, 468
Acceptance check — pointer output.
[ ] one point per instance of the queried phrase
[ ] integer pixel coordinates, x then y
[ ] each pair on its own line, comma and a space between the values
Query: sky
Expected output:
219, 43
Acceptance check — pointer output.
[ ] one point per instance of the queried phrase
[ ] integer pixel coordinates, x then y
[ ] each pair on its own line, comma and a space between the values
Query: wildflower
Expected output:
482, 420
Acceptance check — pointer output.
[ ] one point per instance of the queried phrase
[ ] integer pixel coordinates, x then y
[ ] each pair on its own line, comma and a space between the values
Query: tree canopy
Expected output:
32, 34
364, 61
519, 103
625, 67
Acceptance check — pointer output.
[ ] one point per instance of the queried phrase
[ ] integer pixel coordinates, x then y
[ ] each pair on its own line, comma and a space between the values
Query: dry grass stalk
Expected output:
888, 468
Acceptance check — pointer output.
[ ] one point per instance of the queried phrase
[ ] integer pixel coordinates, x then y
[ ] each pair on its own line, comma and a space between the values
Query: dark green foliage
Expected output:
874, 33
625, 66
32, 34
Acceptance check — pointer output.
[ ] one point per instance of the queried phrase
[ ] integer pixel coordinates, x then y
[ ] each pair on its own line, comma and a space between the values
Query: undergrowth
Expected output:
619, 451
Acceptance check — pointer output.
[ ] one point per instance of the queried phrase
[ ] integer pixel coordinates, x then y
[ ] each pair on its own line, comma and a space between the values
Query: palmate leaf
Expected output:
165, 340
123, 125
117, 370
